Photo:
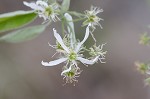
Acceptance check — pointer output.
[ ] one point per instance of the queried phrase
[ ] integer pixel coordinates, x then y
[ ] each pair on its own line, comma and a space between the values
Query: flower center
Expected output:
59, 47
91, 18
48, 11
70, 74
72, 56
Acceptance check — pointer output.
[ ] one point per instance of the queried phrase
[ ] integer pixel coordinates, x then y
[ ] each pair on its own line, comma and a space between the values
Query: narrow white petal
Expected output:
70, 28
96, 59
85, 61
32, 5
42, 3
71, 24
26, 3
85, 38
67, 70
55, 62
59, 39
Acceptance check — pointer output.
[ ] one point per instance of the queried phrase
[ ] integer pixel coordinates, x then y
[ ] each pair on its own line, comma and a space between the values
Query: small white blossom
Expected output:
92, 18
70, 55
71, 50
48, 12
70, 74
97, 51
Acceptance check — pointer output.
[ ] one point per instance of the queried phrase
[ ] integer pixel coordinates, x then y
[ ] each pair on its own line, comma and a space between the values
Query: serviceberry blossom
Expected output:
144, 68
70, 74
71, 52
44, 10
70, 55
97, 51
145, 39
92, 18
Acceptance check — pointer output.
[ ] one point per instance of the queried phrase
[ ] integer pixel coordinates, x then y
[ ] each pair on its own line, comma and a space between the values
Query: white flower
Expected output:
97, 51
48, 12
70, 74
70, 55
92, 18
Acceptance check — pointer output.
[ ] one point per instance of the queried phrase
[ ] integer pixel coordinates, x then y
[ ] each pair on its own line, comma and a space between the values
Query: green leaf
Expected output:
23, 34
14, 20
65, 5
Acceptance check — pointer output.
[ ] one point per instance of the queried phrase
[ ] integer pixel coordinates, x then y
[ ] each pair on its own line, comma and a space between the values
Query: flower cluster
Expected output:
92, 18
144, 69
44, 10
71, 50
71, 74
144, 39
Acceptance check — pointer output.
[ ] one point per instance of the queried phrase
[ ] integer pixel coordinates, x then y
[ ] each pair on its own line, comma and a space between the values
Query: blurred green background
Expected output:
23, 77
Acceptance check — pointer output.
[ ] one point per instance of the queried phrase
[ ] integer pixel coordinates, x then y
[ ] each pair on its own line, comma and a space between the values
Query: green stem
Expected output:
76, 20
75, 13
62, 24
63, 28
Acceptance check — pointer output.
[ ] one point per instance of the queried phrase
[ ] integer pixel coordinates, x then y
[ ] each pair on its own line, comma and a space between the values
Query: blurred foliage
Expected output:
14, 20
144, 39
144, 68
23, 34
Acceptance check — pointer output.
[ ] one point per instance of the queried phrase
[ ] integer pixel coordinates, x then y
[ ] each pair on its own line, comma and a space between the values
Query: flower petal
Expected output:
85, 38
70, 22
32, 5
59, 39
42, 3
55, 62
67, 70
70, 27
85, 61
96, 58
